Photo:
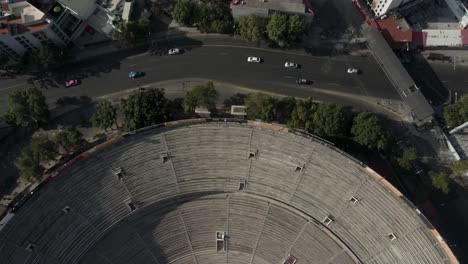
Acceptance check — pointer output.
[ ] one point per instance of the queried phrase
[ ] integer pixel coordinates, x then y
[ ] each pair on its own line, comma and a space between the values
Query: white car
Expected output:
352, 70
254, 59
291, 65
174, 51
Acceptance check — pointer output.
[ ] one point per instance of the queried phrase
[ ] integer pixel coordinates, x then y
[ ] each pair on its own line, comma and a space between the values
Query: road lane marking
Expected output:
11, 87
289, 77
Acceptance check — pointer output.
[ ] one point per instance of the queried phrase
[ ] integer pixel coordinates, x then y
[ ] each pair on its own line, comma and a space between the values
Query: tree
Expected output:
236, 99
4, 65
43, 149
48, 55
70, 139
457, 114
26, 107
296, 28
440, 181
409, 155
277, 29
29, 167
330, 120
145, 108
214, 16
252, 27
202, 95
459, 168
367, 131
261, 106
105, 116
128, 34
40, 149
184, 12
284, 109
303, 114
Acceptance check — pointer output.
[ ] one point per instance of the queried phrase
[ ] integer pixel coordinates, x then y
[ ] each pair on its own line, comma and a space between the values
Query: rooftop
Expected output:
23, 17
395, 30
443, 37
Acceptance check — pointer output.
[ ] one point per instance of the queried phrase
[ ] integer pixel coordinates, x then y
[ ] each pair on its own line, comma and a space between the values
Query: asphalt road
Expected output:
221, 63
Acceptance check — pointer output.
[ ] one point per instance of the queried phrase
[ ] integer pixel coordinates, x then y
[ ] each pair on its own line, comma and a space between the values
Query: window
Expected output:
26, 43
42, 37
9, 51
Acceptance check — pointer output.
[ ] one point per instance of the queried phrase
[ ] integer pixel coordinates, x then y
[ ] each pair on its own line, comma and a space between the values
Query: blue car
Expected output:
135, 74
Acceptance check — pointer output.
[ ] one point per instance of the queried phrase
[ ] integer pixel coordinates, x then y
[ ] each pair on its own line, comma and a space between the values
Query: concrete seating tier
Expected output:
93, 190
168, 211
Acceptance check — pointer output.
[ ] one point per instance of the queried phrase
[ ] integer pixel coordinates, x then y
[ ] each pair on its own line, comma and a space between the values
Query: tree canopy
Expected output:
330, 120
40, 149
407, 158
252, 27
202, 95
457, 114
48, 55
284, 29
303, 114
144, 108
128, 34
261, 106
211, 16
28, 166
440, 181
43, 148
184, 12
284, 109
367, 131
26, 107
236, 99
105, 116
70, 139
459, 168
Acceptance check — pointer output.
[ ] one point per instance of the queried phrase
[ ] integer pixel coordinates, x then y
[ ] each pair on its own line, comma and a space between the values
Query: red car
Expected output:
70, 83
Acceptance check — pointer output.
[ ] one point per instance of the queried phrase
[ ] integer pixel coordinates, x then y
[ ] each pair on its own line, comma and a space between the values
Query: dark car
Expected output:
303, 81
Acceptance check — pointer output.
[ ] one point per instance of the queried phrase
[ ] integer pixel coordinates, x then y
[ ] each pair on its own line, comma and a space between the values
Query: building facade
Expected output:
381, 7
23, 28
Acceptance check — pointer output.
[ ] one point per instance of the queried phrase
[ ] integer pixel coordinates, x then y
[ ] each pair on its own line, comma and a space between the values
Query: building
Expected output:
24, 27
420, 110
460, 10
265, 8
381, 7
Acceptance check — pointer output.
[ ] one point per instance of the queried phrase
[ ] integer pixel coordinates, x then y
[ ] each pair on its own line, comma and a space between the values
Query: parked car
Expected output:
71, 82
353, 70
254, 59
291, 65
174, 51
303, 81
135, 74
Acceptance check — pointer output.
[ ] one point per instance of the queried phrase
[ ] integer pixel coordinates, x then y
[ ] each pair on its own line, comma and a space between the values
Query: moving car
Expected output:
353, 70
71, 82
174, 51
135, 74
291, 65
303, 81
254, 59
